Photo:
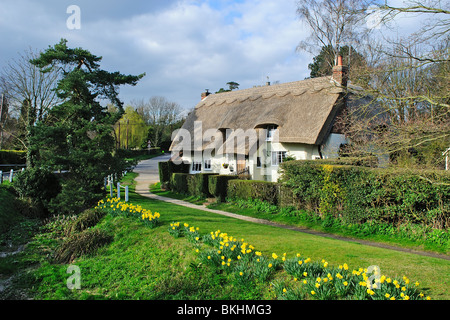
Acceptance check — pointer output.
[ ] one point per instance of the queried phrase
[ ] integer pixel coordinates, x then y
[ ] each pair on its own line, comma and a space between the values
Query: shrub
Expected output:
198, 184
178, 182
164, 174
262, 190
167, 168
82, 243
12, 157
218, 185
40, 185
358, 194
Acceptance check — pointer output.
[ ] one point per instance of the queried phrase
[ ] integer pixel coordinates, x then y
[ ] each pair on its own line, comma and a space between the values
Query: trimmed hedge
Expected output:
254, 189
178, 182
167, 168
13, 157
358, 194
218, 185
197, 184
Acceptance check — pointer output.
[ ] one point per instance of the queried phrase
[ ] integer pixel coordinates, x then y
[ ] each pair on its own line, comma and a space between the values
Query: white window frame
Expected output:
207, 165
196, 166
279, 157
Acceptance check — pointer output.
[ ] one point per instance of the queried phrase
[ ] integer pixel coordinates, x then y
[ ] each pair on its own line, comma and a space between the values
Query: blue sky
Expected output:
184, 46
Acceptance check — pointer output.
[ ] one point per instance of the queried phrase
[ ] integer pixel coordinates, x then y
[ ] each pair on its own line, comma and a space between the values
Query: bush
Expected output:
164, 174
262, 190
198, 184
12, 157
39, 185
178, 182
167, 168
82, 243
218, 185
358, 194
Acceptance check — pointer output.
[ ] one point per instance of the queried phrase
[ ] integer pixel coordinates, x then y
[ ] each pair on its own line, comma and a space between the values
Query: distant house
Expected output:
253, 130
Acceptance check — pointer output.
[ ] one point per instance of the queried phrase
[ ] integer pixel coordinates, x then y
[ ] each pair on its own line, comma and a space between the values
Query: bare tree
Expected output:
333, 24
159, 114
30, 92
410, 84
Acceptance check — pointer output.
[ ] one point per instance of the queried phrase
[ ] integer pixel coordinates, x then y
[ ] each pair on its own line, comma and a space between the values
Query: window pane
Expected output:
274, 158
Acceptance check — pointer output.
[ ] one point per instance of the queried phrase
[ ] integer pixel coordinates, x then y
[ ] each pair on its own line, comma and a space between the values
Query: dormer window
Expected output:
270, 132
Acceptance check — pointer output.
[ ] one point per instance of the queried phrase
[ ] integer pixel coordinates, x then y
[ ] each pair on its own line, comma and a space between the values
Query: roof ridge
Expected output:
265, 92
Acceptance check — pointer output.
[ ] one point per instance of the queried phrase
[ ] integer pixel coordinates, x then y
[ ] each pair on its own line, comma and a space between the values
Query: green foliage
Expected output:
8, 209
77, 134
253, 189
164, 173
133, 130
178, 182
218, 185
39, 185
167, 168
198, 184
358, 194
12, 157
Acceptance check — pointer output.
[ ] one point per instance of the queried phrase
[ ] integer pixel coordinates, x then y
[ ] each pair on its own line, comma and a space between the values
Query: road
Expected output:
148, 173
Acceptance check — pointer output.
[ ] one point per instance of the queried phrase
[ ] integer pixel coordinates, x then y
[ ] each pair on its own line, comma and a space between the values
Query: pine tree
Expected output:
77, 135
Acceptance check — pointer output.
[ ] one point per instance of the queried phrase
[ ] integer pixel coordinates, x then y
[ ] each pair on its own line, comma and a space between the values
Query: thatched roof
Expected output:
303, 110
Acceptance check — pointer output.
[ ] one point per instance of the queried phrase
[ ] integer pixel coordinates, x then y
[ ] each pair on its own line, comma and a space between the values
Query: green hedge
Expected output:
167, 168
254, 189
13, 157
197, 184
218, 185
358, 194
178, 182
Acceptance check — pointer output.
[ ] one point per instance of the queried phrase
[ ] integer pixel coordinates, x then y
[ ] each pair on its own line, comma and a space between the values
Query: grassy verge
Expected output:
144, 263
156, 189
297, 219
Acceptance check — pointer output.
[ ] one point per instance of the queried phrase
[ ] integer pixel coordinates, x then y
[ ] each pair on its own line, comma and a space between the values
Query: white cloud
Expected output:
184, 47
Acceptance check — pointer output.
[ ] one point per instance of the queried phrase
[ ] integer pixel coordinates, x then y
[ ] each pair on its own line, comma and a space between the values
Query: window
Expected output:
258, 162
278, 157
208, 164
270, 132
196, 167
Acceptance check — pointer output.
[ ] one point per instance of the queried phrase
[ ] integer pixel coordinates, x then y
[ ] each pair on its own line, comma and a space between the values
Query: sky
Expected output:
183, 46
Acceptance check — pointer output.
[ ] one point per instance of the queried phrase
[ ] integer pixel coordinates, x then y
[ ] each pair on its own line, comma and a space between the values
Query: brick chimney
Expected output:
205, 94
340, 73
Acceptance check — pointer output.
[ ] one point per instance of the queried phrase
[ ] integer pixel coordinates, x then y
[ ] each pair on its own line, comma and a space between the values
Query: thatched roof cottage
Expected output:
254, 130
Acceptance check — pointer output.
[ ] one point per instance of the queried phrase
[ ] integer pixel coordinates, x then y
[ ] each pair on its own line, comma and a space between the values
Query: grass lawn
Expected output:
144, 263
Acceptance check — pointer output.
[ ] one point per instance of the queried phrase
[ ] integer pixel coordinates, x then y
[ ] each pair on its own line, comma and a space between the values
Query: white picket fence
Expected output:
109, 181
9, 175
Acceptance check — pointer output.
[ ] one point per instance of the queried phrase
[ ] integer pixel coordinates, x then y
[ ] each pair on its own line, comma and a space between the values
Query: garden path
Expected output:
148, 174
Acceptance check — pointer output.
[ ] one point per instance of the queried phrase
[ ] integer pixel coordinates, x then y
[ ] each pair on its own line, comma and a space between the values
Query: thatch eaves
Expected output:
304, 111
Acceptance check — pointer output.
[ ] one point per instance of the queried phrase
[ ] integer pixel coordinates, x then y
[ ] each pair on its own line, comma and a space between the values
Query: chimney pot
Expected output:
205, 94
340, 74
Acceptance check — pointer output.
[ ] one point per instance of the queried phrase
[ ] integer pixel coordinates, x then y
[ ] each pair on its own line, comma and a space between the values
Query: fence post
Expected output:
1, 177
126, 193
118, 190
11, 173
111, 187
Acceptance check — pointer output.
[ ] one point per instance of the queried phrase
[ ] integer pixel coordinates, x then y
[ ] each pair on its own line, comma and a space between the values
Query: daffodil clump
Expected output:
116, 207
175, 230
310, 279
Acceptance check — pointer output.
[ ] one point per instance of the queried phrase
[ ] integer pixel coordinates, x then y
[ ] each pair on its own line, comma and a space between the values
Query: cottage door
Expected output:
240, 165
